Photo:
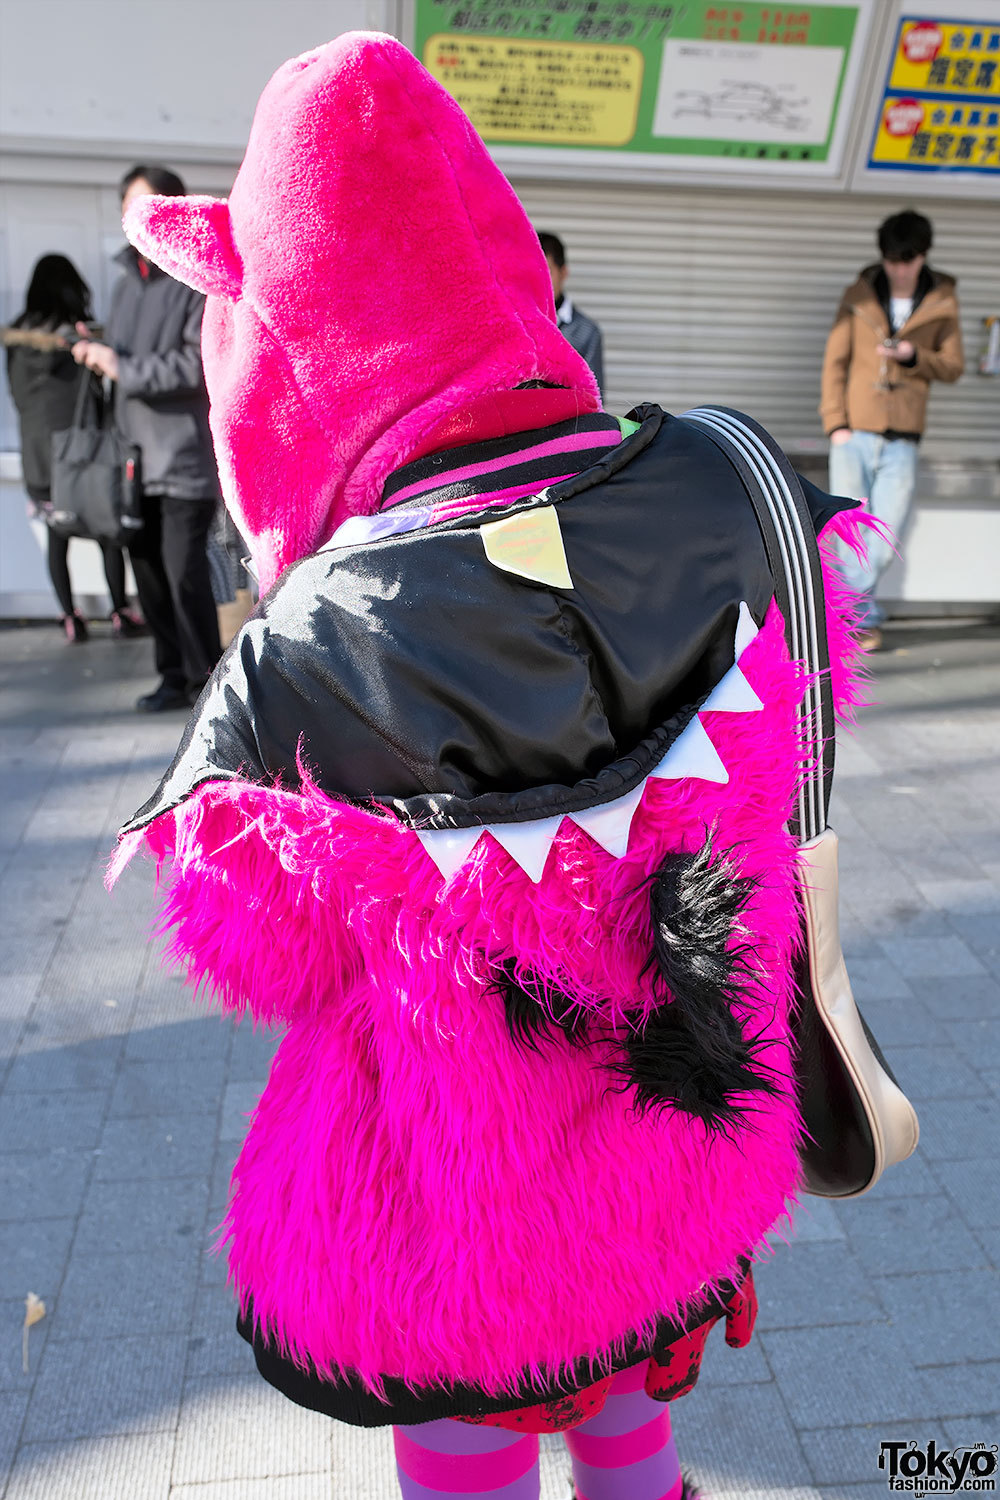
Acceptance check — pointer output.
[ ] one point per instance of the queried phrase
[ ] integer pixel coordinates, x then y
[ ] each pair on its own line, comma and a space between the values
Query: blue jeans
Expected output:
883, 471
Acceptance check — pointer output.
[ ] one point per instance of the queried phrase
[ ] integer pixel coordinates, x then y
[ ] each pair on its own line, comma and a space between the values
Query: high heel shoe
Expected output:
75, 627
125, 626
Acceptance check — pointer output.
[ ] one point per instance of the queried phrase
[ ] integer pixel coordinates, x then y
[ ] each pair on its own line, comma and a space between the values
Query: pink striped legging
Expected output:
625, 1452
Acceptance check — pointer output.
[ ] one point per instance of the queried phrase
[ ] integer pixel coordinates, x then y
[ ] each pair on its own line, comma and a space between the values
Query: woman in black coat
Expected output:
44, 384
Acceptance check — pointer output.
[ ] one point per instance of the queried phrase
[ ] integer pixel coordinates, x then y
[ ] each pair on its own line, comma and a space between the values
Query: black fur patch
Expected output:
691, 1052
534, 1014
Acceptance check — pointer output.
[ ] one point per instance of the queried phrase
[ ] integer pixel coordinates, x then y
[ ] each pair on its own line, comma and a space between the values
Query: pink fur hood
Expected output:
371, 271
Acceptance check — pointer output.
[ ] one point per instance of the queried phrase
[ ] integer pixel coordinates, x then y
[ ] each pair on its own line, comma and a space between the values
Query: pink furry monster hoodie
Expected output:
512, 1137
353, 301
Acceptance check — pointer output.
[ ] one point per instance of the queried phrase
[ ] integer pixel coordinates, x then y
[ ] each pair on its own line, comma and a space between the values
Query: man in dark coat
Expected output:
153, 354
582, 332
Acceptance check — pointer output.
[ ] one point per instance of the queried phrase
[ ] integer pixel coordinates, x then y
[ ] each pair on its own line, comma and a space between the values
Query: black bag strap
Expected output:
786, 525
90, 392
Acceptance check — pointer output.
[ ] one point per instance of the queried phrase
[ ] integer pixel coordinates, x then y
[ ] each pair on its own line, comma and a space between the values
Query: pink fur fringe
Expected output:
417, 1197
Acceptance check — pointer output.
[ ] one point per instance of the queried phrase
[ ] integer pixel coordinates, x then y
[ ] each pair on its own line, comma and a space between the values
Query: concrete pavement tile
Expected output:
901, 1023
808, 1285
977, 1041
12, 1409
102, 1387
93, 963
239, 1103
925, 957
738, 1439
78, 1018
33, 1256
962, 897
724, 1366
13, 1376
981, 933
974, 1188
214, 1346
846, 1377
114, 1295
957, 1128
909, 1178
966, 1390
106, 1468
129, 1217
156, 1146
18, 992
363, 1467
877, 1491
935, 1073
242, 1429
934, 1314
157, 1088
43, 1184
849, 1455
39, 1122
877, 978
973, 997
896, 1235
86, 1065
252, 1052
815, 1219
289, 1487
154, 1039
966, 1432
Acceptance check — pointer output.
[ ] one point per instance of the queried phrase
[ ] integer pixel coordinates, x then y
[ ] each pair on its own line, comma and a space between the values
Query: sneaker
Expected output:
125, 626
162, 700
870, 639
75, 627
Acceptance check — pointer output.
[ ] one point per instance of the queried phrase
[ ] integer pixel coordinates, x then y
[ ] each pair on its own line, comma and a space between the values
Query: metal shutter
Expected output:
727, 297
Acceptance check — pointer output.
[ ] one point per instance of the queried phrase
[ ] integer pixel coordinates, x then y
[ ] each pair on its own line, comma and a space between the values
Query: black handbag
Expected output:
95, 485
857, 1119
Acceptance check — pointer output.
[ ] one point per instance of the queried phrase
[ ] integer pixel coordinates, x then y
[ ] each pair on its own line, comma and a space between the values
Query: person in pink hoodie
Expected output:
486, 805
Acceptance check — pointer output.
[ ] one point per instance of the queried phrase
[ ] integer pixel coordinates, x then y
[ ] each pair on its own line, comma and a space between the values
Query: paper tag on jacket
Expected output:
530, 545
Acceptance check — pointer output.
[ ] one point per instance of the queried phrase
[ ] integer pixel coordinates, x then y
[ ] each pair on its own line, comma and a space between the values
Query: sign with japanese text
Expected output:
684, 81
941, 103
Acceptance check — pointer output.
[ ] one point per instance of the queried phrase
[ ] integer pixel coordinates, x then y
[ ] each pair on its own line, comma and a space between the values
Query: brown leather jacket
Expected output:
860, 389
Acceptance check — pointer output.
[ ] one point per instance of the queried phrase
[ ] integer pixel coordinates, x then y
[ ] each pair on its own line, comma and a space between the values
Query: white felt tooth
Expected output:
449, 848
692, 755
527, 843
746, 630
610, 825
733, 695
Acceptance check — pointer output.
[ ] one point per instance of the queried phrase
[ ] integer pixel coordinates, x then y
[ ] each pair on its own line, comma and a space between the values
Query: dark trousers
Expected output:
114, 572
170, 564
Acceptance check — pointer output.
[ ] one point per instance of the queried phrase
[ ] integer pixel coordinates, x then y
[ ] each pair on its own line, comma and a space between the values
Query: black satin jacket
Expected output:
412, 674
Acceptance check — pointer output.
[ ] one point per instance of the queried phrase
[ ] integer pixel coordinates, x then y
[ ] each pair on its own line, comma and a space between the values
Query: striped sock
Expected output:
626, 1451
447, 1458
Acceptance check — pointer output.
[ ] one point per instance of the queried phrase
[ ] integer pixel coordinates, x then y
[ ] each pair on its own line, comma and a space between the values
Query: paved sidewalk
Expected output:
122, 1105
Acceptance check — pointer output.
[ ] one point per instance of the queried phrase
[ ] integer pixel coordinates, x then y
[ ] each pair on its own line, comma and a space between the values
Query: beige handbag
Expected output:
858, 1120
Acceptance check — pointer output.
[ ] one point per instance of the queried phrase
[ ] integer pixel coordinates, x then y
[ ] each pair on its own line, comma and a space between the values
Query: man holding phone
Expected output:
896, 330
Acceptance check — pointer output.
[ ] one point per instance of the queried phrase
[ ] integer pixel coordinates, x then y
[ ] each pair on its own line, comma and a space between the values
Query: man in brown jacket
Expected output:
896, 330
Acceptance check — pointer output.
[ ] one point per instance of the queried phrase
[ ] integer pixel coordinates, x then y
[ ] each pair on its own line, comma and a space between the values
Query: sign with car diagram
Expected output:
679, 82
940, 109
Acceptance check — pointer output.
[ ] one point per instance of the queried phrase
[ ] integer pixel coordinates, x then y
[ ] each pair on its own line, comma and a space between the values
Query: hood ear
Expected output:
189, 238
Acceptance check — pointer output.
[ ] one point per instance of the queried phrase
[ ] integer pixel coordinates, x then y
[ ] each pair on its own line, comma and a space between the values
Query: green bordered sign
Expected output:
684, 82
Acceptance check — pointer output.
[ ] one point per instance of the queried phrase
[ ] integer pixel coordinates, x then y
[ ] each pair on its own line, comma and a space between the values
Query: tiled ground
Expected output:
121, 1106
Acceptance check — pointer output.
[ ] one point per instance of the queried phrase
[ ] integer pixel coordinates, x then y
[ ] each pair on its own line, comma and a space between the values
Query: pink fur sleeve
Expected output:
259, 890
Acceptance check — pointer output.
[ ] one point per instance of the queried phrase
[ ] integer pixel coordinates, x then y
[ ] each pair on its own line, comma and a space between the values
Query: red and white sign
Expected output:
904, 117
923, 42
